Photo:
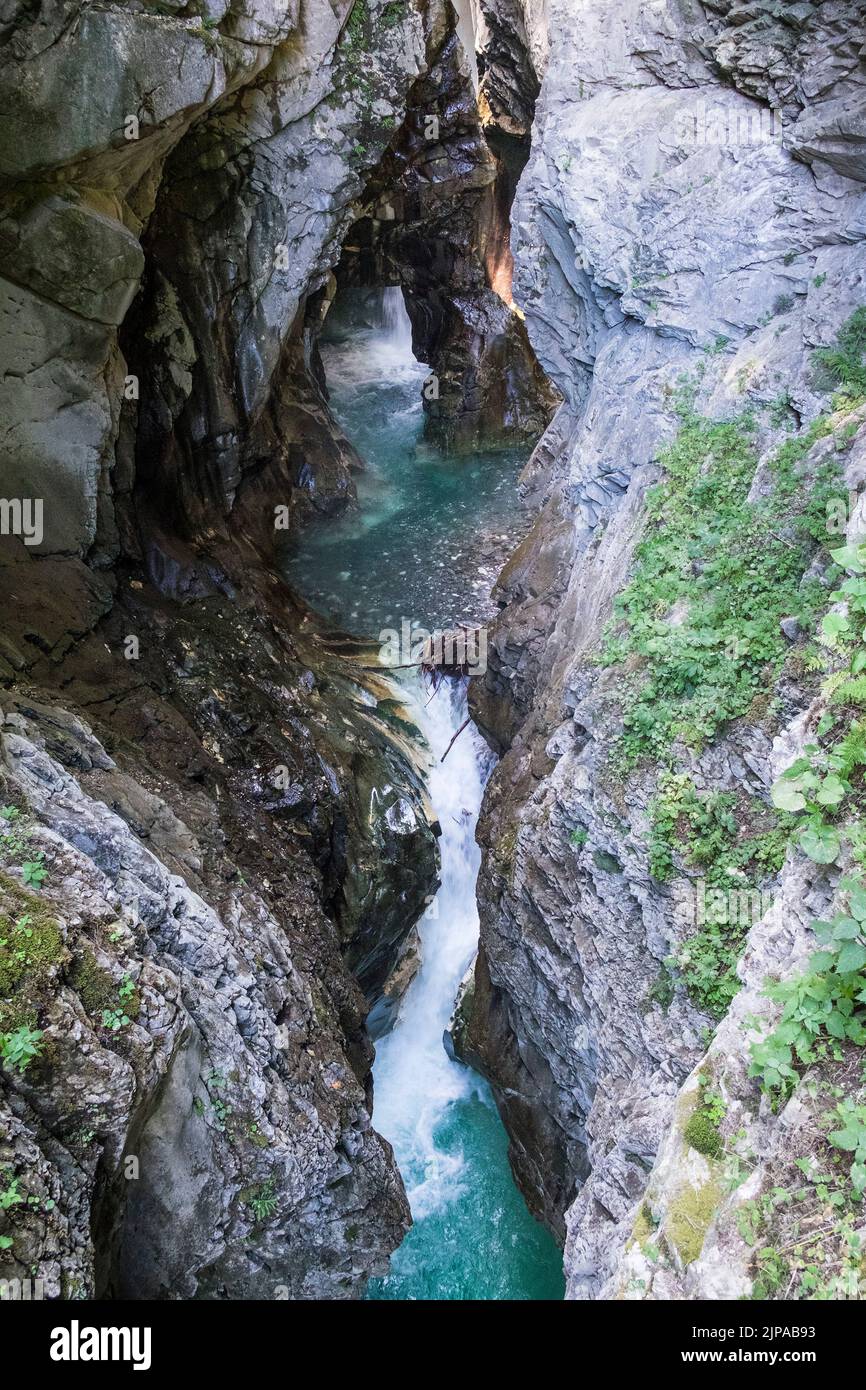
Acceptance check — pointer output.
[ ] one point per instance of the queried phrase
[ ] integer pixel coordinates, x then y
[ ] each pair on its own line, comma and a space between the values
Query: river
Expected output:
425, 544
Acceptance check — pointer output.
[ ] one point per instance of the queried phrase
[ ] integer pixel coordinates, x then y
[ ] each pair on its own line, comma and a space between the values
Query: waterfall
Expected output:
472, 1236
415, 1079
395, 321
424, 545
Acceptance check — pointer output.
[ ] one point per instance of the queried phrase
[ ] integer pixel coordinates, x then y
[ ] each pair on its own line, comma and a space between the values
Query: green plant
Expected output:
825, 787
114, 1020
773, 1272
850, 1137
718, 569
579, 836
13, 834
714, 576
34, 872
262, 1200
844, 362
393, 13
822, 1007
11, 1195
781, 409
708, 962
255, 1135
736, 843
357, 27
18, 1048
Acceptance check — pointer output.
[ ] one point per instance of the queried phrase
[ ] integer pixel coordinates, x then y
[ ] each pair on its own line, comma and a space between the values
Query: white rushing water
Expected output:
415, 1079
398, 329
412, 550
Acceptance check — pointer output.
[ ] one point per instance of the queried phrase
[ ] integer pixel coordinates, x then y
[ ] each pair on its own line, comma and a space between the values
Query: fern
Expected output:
849, 692
851, 750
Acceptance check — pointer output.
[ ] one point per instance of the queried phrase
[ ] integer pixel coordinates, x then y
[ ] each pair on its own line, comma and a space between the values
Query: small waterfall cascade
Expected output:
396, 323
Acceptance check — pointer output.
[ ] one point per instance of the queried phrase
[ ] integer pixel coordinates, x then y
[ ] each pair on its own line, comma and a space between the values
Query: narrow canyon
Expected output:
333, 967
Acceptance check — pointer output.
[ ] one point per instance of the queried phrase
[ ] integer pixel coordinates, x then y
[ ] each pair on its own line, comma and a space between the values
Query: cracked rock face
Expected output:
666, 223
225, 1086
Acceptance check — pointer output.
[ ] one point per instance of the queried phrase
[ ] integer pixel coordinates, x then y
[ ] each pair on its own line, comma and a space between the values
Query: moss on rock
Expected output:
688, 1219
31, 949
644, 1226
95, 986
702, 1134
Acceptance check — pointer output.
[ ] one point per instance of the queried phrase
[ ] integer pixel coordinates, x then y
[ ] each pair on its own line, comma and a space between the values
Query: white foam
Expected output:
415, 1080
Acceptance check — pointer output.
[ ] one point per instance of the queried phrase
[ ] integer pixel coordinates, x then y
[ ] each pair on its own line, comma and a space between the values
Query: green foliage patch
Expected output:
736, 844
715, 573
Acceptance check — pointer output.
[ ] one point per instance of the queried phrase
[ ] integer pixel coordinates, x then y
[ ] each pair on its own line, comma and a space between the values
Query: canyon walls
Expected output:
688, 234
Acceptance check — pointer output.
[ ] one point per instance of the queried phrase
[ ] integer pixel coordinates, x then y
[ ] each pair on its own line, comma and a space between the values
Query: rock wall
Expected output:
669, 223
436, 221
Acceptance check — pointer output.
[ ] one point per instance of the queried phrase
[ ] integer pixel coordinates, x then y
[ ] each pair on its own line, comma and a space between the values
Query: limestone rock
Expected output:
663, 225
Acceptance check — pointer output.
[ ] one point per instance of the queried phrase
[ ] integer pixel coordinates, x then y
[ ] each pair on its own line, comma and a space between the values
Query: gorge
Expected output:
541, 317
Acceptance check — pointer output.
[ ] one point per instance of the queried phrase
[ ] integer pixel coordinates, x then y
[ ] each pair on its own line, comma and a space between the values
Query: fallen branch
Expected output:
466, 721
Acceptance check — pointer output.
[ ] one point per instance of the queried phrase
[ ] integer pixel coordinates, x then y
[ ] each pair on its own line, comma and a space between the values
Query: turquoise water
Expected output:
482, 1243
431, 532
473, 1237
425, 546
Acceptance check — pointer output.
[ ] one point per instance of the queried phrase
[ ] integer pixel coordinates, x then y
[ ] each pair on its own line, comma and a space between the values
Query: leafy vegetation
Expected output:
718, 832
262, 1200
18, 1048
824, 1006
729, 552
114, 1019
804, 1231
736, 844
715, 574
850, 1137
32, 951
823, 1009
845, 362
34, 872
824, 790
